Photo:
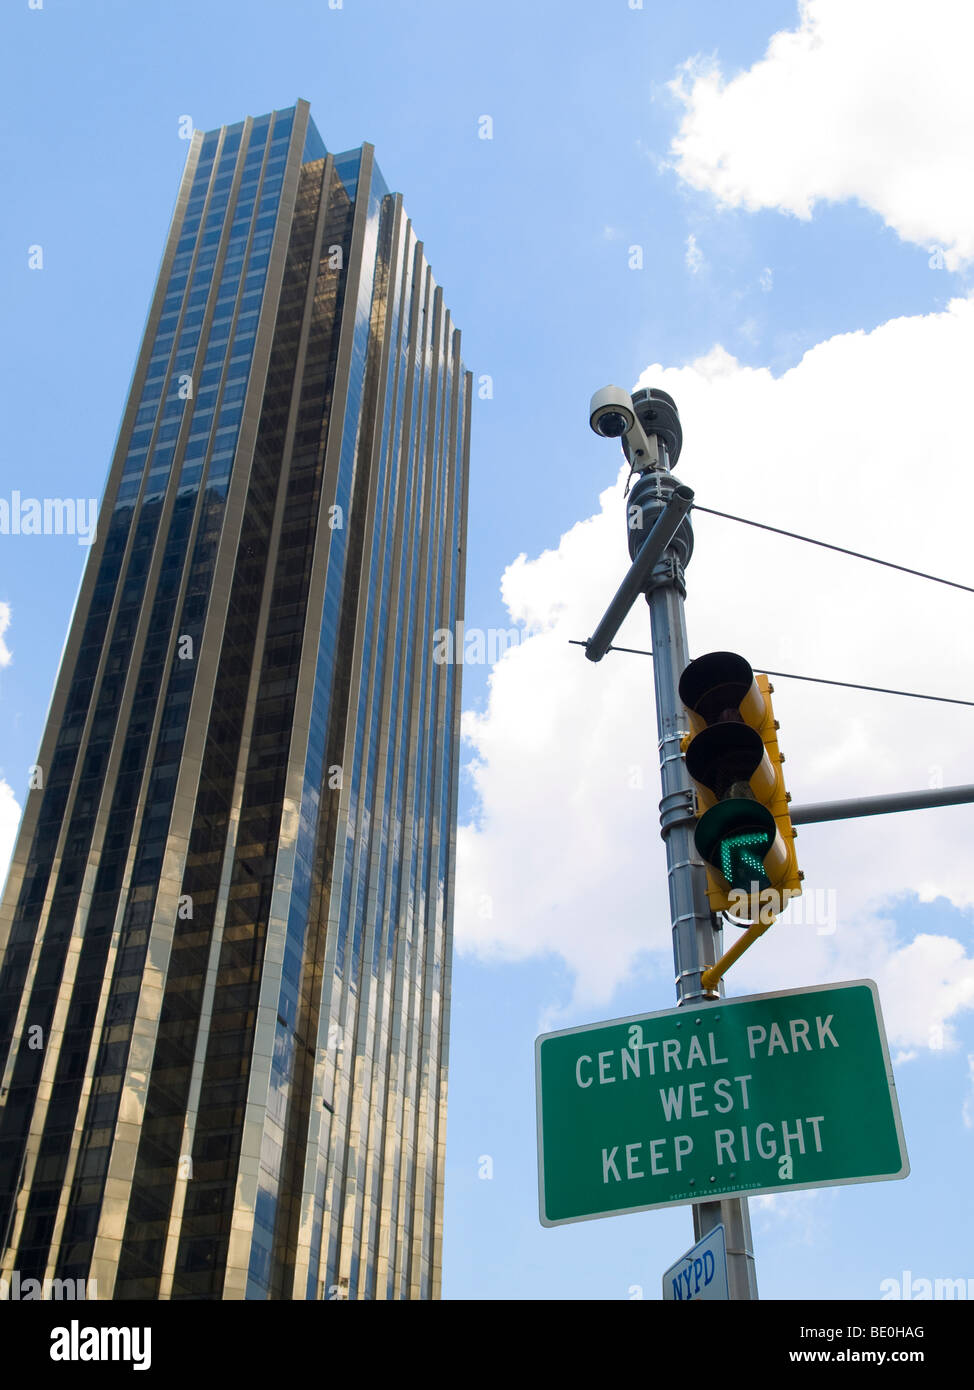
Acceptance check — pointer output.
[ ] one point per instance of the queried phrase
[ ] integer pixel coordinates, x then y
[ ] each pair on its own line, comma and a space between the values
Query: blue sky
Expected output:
804, 295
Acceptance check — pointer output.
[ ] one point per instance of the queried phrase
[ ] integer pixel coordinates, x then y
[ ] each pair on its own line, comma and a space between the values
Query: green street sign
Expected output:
761, 1094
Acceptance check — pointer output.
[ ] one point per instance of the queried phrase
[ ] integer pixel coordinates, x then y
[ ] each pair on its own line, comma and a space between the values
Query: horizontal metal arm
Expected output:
880, 805
650, 552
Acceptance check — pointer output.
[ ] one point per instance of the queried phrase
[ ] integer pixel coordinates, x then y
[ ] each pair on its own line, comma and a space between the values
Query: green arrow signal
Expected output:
735, 837
737, 853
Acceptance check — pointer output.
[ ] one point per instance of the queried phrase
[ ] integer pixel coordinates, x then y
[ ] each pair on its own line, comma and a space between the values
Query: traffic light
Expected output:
744, 833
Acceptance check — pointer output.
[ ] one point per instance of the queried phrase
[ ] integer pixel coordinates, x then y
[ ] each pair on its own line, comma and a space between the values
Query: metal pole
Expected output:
653, 547
880, 805
696, 936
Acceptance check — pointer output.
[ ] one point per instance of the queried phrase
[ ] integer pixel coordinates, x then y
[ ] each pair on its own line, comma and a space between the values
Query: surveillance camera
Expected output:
611, 414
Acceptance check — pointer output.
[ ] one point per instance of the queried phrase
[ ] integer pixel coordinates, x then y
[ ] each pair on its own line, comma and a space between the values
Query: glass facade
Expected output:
227, 928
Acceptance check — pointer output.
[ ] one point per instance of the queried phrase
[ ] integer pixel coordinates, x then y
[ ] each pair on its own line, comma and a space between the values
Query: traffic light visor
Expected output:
719, 686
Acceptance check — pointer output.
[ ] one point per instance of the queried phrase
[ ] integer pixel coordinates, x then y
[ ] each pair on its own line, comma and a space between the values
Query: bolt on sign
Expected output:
759, 1094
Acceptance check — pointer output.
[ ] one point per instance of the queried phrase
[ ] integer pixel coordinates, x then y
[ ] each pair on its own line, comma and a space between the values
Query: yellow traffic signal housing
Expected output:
744, 833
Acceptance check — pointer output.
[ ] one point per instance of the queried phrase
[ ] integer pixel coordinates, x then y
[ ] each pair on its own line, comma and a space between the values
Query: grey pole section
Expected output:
653, 547
880, 805
697, 940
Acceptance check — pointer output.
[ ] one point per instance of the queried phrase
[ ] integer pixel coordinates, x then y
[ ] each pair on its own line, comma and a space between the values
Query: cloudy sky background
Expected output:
862, 442
795, 183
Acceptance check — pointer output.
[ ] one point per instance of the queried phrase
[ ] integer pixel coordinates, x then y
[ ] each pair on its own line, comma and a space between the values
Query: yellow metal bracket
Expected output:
712, 976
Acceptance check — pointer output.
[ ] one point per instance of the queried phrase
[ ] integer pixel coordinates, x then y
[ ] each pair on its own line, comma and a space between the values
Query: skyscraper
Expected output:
227, 928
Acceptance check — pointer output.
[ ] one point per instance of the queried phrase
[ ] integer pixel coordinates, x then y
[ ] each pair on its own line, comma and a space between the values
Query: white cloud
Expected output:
9, 821
694, 256
6, 656
566, 856
766, 279
802, 1213
967, 1109
871, 101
